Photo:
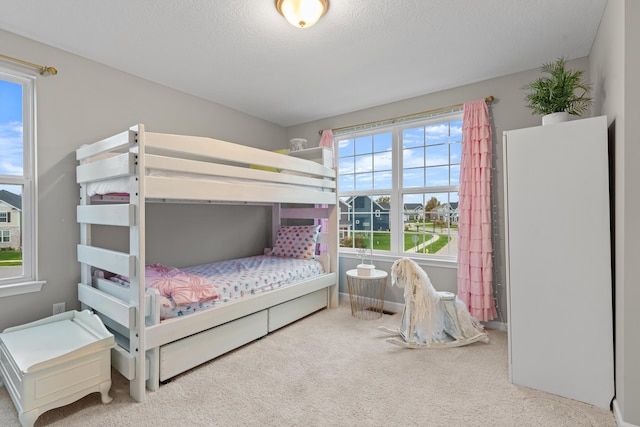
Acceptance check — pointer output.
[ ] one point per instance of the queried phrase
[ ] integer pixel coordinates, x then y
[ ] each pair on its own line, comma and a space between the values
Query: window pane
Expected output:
455, 174
413, 157
437, 134
437, 155
364, 181
455, 151
413, 137
412, 178
364, 163
437, 176
346, 165
364, 144
431, 224
346, 183
382, 161
10, 231
11, 144
382, 142
364, 222
346, 147
455, 131
382, 166
382, 180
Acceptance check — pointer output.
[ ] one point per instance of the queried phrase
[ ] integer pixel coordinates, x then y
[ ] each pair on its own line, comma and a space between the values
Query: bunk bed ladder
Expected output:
137, 249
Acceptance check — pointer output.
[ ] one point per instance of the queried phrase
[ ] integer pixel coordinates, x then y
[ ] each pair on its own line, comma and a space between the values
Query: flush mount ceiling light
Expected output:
302, 13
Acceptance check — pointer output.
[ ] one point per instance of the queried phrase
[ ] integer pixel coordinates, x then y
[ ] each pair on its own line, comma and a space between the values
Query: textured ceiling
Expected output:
362, 53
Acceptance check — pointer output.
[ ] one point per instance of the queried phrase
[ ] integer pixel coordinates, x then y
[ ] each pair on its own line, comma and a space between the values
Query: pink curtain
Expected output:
475, 267
325, 141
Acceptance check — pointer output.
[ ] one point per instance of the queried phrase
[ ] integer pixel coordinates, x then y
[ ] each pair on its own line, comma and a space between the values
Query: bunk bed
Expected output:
120, 175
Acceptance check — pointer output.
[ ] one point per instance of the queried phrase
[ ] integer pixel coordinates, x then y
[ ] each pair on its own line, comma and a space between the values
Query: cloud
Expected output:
11, 148
10, 129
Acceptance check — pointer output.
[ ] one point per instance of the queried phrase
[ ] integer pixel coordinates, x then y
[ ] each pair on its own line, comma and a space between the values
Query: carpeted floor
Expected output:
331, 369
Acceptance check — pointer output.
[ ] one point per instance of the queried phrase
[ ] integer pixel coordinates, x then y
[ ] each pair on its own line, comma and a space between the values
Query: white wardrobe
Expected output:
560, 315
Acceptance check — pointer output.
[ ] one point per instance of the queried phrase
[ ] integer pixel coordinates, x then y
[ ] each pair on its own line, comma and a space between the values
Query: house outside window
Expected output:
398, 188
17, 183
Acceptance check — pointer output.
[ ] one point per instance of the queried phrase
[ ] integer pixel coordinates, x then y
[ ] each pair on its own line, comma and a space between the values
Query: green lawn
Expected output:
409, 243
438, 244
381, 242
10, 258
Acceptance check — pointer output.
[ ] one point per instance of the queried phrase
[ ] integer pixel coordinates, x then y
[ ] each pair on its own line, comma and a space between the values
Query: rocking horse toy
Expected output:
431, 319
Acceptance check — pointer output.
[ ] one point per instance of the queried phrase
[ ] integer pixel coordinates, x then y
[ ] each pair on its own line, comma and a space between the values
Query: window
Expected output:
17, 184
398, 188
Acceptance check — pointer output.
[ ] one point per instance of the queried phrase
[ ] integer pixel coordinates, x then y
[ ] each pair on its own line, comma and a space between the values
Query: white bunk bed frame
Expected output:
150, 351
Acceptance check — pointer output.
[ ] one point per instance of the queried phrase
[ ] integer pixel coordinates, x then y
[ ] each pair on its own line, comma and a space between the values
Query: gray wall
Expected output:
615, 67
508, 112
87, 101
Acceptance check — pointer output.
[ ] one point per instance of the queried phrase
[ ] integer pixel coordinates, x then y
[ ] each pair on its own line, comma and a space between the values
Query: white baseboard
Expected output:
494, 324
394, 307
618, 416
389, 307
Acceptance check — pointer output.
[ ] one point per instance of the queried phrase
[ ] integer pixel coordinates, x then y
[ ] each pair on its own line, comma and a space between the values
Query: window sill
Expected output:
21, 288
444, 263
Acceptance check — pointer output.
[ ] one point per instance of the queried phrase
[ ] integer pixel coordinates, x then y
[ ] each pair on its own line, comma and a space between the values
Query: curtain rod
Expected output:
394, 119
44, 70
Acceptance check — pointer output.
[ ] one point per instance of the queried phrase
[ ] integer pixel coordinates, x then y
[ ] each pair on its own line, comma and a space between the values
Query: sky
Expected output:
10, 131
365, 162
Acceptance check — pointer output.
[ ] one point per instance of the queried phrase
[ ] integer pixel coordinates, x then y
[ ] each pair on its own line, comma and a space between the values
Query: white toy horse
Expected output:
431, 319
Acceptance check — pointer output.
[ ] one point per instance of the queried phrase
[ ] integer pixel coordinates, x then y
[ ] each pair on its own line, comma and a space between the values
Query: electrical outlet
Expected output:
58, 308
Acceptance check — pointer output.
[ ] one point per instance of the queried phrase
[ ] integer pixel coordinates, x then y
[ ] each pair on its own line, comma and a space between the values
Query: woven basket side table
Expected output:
366, 293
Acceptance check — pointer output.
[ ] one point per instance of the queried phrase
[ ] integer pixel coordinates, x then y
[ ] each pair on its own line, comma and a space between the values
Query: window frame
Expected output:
28, 281
397, 192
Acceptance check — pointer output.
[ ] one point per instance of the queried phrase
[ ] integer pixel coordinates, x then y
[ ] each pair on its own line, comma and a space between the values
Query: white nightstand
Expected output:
55, 361
366, 293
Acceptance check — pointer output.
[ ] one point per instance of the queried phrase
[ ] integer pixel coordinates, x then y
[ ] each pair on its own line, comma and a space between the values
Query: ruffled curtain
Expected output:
475, 267
325, 141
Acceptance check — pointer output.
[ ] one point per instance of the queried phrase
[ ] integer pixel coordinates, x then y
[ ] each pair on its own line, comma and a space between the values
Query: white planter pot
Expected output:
552, 118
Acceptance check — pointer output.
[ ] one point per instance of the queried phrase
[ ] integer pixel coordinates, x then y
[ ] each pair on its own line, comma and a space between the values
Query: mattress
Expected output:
241, 277
121, 185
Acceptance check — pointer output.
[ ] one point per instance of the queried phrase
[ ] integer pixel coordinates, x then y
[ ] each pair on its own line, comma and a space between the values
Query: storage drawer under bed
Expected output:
282, 314
186, 353
189, 352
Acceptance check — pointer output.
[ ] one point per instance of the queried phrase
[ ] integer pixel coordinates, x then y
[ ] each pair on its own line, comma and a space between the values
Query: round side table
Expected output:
366, 293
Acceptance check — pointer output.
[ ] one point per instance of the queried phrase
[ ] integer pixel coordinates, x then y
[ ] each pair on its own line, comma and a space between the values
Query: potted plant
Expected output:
560, 93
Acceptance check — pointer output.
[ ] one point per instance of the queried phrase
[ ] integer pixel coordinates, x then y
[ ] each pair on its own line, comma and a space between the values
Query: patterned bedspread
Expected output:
245, 276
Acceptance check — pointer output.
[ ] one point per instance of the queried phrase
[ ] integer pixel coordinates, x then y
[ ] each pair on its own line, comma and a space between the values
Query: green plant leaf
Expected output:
560, 90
